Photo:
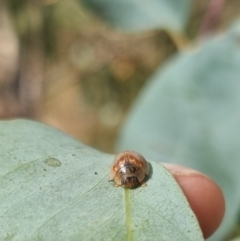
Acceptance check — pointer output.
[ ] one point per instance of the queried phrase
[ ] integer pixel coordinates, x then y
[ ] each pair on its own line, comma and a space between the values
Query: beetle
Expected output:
129, 170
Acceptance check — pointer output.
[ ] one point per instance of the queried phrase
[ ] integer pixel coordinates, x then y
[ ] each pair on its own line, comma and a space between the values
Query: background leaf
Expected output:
236, 239
136, 15
54, 188
189, 114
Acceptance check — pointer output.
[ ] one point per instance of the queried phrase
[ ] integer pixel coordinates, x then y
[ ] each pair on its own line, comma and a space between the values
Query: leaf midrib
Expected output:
128, 215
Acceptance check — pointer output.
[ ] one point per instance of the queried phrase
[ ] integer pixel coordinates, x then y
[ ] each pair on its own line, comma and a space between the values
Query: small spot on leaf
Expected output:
53, 162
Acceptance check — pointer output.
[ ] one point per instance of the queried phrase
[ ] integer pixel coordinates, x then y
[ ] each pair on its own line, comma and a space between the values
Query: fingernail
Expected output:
181, 170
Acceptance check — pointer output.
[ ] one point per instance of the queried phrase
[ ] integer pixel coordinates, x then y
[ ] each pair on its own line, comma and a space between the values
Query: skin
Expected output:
204, 196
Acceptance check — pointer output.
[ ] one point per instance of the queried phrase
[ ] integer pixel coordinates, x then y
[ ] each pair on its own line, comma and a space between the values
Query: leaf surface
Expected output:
53, 188
137, 15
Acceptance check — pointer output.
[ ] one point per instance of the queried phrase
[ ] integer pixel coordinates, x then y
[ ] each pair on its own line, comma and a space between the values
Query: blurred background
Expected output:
62, 65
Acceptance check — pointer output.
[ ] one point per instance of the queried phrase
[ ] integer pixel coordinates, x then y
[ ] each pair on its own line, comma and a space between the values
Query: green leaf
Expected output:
136, 15
52, 187
189, 114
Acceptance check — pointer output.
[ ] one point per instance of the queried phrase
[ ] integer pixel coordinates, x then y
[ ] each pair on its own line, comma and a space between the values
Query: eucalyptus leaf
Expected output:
136, 15
189, 114
54, 188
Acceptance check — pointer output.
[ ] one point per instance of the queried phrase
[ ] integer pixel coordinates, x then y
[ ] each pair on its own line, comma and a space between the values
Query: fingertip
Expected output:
204, 196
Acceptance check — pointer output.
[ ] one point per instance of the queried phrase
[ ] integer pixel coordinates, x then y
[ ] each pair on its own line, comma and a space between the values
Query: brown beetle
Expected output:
129, 170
